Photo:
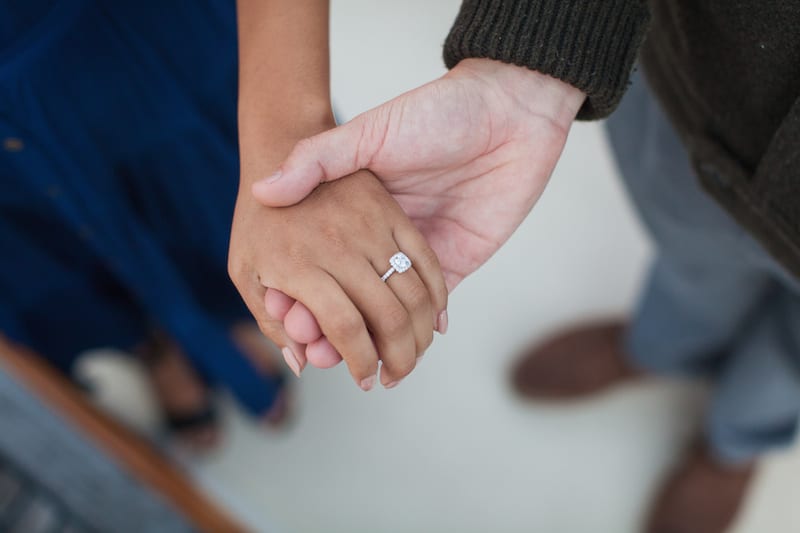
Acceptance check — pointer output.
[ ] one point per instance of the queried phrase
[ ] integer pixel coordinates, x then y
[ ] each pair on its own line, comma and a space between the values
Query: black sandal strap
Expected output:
202, 418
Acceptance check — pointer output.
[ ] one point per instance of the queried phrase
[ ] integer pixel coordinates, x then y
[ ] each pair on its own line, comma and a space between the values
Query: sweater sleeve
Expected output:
590, 44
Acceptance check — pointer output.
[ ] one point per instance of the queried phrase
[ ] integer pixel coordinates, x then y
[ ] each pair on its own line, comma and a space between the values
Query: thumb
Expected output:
324, 157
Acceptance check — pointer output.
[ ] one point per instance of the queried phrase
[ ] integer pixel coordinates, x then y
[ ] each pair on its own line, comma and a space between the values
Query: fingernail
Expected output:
420, 357
442, 326
274, 177
291, 360
368, 383
300, 354
393, 384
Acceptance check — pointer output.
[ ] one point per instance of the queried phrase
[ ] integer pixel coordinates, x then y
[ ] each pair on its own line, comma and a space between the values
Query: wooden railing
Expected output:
130, 452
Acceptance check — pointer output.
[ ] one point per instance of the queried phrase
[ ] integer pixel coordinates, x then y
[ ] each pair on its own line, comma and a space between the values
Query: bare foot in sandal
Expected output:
185, 399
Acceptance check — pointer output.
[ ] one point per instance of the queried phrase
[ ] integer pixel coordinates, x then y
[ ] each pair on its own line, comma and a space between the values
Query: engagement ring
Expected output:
400, 263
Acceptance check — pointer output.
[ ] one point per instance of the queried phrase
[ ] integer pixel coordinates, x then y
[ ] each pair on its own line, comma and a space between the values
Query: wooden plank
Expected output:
131, 452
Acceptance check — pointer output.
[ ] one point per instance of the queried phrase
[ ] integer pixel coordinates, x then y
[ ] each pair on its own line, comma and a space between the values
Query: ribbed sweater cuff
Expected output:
590, 44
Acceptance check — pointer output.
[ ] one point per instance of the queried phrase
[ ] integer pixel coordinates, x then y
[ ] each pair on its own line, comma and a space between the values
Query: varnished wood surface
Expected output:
132, 453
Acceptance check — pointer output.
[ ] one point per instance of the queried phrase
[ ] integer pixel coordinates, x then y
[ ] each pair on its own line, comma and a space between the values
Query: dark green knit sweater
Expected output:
727, 72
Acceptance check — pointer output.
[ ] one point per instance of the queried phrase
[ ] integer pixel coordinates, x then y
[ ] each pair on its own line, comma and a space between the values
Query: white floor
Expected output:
451, 450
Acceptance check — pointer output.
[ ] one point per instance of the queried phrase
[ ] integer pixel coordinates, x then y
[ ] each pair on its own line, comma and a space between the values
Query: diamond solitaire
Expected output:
400, 263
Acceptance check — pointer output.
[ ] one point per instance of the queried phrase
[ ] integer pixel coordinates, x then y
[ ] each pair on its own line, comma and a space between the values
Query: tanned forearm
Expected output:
284, 79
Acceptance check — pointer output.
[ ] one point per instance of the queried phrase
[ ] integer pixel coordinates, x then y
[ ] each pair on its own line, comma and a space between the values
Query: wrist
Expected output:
267, 136
541, 94
293, 118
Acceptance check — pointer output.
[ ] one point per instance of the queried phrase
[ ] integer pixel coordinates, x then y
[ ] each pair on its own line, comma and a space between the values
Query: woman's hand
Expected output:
329, 253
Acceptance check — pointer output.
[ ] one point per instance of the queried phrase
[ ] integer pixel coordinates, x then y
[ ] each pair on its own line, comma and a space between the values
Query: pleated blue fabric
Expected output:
118, 177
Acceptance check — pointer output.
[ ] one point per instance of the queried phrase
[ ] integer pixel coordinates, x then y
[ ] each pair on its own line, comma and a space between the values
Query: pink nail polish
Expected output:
368, 383
393, 384
442, 326
291, 360
274, 177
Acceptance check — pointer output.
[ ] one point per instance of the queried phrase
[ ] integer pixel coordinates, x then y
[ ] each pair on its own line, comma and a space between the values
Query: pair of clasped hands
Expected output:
444, 174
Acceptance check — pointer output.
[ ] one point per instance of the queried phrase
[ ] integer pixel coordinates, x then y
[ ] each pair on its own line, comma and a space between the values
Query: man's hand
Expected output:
466, 156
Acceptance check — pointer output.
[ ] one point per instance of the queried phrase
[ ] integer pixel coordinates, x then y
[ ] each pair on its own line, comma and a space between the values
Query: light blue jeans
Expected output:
715, 303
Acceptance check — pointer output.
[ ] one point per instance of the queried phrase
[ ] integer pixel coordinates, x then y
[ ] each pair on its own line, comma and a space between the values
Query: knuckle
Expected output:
427, 259
403, 367
418, 297
425, 341
271, 330
334, 235
236, 270
440, 296
361, 361
366, 220
344, 326
295, 250
421, 350
395, 323
361, 370
303, 145
301, 269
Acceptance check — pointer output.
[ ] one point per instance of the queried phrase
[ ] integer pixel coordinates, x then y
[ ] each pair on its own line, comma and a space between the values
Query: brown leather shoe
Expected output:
579, 362
701, 496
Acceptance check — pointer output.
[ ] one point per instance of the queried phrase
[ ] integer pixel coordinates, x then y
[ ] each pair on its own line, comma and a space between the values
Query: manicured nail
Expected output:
393, 384
368, 383
442, 325
274, 177
291, 360
419, 358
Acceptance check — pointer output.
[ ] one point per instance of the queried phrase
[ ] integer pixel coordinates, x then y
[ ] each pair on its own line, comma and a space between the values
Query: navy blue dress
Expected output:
118, 176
